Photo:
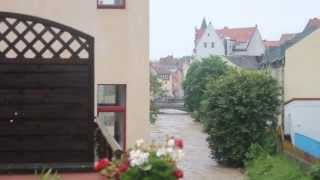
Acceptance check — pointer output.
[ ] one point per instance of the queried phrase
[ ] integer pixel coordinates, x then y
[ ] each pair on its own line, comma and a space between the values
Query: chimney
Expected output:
204, 24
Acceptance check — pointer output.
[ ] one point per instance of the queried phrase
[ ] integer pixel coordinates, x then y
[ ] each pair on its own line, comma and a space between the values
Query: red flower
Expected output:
101, 164
178, 143
123, 167
178, 173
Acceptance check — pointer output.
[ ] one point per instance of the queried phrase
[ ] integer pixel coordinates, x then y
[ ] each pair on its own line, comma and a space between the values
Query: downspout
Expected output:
283, 60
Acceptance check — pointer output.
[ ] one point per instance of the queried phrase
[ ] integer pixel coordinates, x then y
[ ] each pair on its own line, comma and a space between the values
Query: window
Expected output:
165, 76
205, 45
212, 45
111, 4
112, 110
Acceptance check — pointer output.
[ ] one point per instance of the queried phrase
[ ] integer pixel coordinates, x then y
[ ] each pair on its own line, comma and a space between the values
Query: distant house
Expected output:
275, 50
274, 57
293, 60
302, 94
245, 41
165, 75
171, 72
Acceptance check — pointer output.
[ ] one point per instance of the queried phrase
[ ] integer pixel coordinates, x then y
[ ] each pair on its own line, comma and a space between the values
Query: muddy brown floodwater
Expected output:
197, 164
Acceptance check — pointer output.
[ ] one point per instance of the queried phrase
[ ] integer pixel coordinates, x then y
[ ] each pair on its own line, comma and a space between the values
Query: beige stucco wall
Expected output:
121, 46
302, 69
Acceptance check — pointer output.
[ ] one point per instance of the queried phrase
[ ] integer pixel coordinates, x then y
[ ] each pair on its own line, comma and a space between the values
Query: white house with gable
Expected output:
246, 41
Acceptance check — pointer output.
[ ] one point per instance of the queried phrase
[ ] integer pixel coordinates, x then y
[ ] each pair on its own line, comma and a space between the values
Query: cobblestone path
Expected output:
197, 164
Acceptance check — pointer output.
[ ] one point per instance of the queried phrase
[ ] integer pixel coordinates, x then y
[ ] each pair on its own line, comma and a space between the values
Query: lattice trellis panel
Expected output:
26, 37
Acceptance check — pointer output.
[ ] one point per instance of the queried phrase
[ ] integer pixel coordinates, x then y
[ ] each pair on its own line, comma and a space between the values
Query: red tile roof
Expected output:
284, 38
237, 34
270, 44
199, 34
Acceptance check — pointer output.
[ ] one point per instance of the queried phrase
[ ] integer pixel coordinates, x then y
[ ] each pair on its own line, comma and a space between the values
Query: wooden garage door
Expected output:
46, 92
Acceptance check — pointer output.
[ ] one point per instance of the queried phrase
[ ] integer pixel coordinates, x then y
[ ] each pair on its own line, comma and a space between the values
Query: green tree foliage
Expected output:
241, 109
156, 91
197, 77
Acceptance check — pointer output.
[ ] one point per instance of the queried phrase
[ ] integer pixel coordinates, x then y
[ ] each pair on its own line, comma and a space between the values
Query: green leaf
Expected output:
146, 167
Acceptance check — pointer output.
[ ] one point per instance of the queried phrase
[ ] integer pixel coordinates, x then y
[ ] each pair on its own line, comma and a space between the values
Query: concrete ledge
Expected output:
71, 176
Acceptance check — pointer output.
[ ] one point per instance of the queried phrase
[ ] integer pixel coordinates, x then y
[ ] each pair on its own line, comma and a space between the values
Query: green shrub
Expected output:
274, 168
156, 91
197, 78
154, 112
241, 110
315, 172
255, 151
270, 142
195, 115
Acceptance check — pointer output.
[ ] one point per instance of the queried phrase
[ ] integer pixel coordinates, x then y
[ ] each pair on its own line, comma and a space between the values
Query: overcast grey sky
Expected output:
172, 22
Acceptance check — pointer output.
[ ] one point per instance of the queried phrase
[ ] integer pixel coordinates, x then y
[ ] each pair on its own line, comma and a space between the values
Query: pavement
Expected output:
197, 163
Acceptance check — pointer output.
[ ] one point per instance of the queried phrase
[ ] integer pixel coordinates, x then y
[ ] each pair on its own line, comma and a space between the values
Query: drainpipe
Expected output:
283, 59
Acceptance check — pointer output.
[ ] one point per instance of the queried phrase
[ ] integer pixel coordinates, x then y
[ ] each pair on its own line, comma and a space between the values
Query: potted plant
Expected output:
145, 162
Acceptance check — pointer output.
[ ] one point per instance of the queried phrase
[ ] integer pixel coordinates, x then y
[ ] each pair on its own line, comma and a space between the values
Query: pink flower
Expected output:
178, 143
178, 173
101, 164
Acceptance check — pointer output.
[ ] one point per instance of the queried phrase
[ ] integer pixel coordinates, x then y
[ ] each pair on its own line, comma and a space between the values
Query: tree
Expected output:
197, 77
241, 109
156, 91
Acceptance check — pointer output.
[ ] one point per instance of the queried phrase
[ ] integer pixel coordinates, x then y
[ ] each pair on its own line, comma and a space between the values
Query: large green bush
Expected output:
241, 109
197, 78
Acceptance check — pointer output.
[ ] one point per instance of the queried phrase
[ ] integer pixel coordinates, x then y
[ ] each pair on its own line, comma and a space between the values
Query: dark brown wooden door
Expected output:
46, 92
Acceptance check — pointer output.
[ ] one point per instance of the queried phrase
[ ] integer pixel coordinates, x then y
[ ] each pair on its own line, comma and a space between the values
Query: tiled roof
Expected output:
199, 34
246, 62
169, 64
270, 44
237, 34
162, 69
313, 23
287, 37
284, 38
276, 54
172, 62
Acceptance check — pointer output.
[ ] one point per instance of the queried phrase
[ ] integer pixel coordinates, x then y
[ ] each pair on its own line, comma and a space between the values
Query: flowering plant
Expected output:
144, 162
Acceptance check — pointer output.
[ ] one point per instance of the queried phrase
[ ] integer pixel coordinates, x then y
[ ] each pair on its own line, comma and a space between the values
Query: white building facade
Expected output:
210, 43
245, 41
301, 123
